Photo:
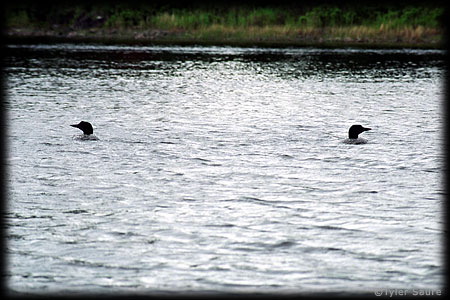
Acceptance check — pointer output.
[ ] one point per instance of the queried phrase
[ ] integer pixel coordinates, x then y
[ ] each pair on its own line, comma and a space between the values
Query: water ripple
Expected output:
222, 169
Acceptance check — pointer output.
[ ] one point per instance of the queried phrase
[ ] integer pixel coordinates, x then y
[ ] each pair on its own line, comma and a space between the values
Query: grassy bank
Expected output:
312, 23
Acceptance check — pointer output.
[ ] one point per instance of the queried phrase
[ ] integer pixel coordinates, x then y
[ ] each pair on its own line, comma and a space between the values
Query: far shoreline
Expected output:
161, 37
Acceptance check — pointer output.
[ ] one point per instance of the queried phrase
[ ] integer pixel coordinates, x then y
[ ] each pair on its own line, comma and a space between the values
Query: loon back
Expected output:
357, 141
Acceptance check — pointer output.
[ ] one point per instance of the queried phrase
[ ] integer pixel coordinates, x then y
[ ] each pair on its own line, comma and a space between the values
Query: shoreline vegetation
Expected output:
314, 23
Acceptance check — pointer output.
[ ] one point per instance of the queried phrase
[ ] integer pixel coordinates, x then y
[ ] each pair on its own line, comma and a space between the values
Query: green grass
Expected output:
221, 21
320, 16
127, 16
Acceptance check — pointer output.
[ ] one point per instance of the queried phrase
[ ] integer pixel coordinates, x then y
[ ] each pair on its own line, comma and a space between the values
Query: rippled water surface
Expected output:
223, 169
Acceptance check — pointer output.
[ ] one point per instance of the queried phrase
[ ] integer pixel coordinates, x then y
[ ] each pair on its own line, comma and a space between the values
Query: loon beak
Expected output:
74, 125
366, 129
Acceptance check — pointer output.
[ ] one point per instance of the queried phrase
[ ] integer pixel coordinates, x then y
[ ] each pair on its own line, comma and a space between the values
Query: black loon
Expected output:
87, 129
353, 133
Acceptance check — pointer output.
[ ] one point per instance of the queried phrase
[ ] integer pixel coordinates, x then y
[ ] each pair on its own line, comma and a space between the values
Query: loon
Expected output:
88, 131
353, 133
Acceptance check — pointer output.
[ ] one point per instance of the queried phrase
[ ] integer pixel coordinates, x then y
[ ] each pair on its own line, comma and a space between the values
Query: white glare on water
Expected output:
223, 169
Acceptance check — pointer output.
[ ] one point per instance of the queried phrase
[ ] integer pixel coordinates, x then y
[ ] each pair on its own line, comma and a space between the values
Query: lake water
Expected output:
222, 169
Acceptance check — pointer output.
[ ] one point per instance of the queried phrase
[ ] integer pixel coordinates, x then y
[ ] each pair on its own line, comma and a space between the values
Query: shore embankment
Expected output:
310, 24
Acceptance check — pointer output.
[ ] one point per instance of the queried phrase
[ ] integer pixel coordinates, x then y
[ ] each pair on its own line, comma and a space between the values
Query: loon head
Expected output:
355, 130
86, 127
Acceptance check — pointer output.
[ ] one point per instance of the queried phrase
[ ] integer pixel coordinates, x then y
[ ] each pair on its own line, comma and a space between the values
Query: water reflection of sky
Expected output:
220, 166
